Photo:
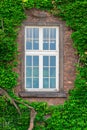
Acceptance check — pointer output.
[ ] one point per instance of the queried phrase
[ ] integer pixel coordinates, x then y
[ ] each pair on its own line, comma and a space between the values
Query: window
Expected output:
42, 58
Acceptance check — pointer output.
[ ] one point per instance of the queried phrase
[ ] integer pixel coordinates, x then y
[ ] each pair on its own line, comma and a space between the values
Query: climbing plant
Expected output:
73, 114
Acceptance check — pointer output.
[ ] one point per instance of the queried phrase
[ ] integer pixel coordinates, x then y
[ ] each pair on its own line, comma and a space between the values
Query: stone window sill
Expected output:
25, 94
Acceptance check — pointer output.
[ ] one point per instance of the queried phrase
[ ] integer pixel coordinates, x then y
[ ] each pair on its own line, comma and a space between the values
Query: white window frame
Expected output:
42, 53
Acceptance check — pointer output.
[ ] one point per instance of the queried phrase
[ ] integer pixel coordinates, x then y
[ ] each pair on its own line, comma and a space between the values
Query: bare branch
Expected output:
13, 101
32, 115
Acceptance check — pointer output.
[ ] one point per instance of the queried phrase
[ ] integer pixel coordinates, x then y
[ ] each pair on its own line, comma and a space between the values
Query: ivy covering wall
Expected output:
73, 114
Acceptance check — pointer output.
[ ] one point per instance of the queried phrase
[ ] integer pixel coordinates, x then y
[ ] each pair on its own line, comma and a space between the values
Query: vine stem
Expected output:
13, 101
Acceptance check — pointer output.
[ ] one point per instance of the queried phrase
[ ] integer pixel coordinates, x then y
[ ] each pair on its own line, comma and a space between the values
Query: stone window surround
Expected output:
61, 92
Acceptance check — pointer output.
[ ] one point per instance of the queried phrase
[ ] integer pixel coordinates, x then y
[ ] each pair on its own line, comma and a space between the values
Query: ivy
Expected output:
39, 4
73, 114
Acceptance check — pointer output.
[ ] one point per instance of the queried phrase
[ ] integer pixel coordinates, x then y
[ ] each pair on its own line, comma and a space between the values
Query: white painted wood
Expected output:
42, 53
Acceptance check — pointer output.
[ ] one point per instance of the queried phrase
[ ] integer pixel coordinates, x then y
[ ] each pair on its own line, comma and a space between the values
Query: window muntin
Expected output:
49, 71
32, 38
32, 71
49, 39
44, 74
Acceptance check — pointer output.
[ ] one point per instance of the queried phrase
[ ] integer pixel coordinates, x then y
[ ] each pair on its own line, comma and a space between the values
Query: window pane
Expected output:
52, 60
28, 82
35, 44
45, 72
28, 71
28, 44
35, 33
53, 33
52, 45
36, 83
45, 33
45, 61
29, 32
35, 61
28, 60
52, 83
52, 72
45, 45
36, 72
45, 82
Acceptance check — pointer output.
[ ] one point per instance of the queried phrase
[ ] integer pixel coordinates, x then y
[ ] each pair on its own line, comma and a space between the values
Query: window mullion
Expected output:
57, 70
25, 39
40, 58
32, 72
49, 72
32, 39
49, 38
40, 72
40, 38
57, 39
25, 70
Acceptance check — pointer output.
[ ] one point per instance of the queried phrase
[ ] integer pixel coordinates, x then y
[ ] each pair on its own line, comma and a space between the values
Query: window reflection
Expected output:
28, 60
28, 71
35, 61
45, 60
45, 72
45, 82
29, 44
45, 33
28, 82
52, 33
29, 32
35, 82
35, 44
35, 71
52, 82
35, 33
52, 61
52, 72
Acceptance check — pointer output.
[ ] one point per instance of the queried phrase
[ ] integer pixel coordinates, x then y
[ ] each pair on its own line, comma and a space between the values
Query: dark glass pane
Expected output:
53, 41
35, 60
45, 61
28, 44
28, 82
36, 72
28, 60
45, 46
29, 32
52, 45
52, 83
53, 72
45, 82
35, 82
35, 44
52, 60
35, 33
45, 72
53, 33
28, 71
